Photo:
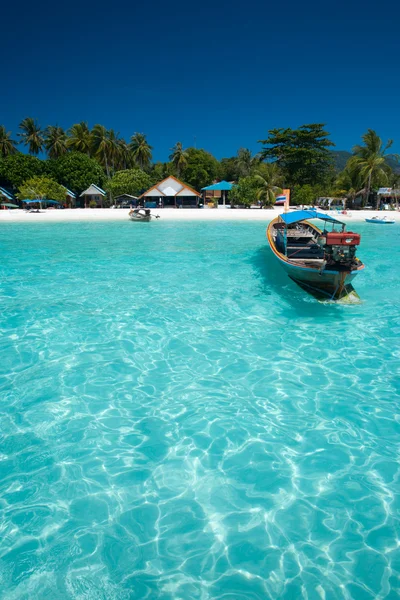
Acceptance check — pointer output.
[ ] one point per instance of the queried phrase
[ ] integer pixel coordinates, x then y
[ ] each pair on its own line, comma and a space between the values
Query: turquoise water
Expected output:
180, 421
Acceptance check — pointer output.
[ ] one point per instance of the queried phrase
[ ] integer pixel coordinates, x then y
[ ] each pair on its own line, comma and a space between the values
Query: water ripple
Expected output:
179, 420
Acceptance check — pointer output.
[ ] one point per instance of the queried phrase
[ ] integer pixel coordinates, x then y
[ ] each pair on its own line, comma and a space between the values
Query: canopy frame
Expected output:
302, 215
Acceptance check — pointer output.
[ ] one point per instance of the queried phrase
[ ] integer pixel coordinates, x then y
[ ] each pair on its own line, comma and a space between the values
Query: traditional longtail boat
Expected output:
322, 262
141, 214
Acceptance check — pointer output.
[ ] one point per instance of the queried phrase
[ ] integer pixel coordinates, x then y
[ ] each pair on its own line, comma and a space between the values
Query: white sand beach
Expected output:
171, 214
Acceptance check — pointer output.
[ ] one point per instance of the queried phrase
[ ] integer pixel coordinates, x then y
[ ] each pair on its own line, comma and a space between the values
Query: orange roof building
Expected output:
171, 192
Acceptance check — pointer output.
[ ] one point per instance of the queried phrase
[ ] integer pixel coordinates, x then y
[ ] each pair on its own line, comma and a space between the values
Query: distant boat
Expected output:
381, 220
322, 262
141, 214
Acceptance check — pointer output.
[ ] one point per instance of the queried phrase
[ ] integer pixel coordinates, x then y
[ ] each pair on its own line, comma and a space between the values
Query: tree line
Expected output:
300, 159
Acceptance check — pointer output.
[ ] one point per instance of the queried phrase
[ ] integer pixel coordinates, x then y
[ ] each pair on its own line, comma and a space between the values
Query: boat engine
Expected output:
340, 247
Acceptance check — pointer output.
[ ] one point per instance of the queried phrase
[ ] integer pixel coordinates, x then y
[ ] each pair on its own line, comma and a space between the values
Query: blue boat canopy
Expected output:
221, 185
301, 215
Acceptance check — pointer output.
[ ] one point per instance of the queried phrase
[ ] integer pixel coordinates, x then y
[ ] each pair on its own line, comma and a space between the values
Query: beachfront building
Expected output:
388, 198
6, 199
92, 195
217, 192
70, 198
171, 192
125, 200
5, 196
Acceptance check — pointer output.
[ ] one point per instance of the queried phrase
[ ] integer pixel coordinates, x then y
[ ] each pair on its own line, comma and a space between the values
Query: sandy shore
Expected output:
169, 214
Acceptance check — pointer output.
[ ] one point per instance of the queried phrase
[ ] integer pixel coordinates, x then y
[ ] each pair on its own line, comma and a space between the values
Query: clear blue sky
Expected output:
222, 72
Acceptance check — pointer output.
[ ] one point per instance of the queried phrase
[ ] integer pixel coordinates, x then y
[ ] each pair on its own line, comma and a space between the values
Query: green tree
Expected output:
161, 170
32, 135
303, 194
201, 168
245, 192
16, 168
348, 184
369, 162
76, 171
268, 178
123, 160
229, 169
7, 145
117, 148
55, 141
179, 158
246, 162
301, 154
102, 147
41, 188
140, 151
131, 181
79, 138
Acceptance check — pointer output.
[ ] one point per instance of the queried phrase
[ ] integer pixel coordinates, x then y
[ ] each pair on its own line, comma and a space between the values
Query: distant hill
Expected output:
341, 157
393, 163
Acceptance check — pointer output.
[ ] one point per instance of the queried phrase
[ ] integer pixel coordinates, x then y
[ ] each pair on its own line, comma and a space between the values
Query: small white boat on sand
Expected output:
381, 220
141, 214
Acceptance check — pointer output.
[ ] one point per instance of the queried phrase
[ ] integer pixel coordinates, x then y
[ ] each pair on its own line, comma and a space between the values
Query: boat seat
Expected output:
301, 251
309, 261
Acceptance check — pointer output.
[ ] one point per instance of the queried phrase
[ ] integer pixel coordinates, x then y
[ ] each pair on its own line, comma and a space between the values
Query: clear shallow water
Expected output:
180, 421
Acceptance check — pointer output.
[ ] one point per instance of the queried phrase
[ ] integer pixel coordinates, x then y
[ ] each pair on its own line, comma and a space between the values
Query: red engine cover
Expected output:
346, 238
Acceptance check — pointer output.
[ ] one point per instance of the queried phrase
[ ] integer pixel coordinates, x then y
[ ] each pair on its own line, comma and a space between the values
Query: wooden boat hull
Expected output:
321, 282
329, 284
145, 219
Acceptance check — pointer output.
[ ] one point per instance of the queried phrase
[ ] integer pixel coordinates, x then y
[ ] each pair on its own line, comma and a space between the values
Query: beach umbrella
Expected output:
9, 205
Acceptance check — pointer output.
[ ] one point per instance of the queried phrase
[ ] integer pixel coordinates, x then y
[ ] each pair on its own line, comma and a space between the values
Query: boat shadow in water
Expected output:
273, 279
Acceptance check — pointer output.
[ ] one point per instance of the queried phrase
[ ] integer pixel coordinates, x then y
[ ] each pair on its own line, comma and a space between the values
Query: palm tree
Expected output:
140, 150
246, 162
124, 157
102, 147
268, 178
7, 145
115, 150
55, 141
369, 161
79, 138
178, 157
348, 183
32, 135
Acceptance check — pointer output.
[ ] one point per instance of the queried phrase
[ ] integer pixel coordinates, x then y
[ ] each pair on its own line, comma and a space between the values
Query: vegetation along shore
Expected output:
302, 160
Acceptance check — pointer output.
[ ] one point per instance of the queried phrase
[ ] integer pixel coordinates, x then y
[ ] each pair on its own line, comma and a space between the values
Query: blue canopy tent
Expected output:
54, 202
44, 201
222, 186
33, 202
301, 215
